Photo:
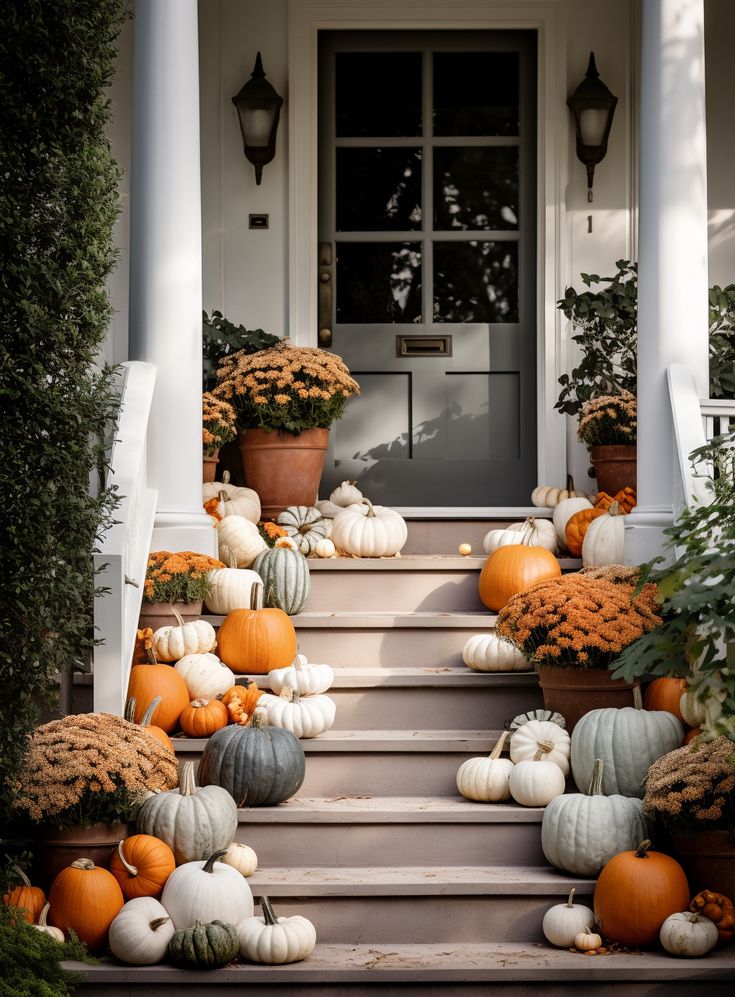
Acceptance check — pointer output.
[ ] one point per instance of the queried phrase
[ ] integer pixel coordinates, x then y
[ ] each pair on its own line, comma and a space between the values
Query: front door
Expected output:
427, 263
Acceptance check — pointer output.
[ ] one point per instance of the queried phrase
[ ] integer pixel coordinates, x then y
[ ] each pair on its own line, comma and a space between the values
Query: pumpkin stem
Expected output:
570, 484
130, 710
130, 869
570, 900
179, 620
595, 788
545, 747
209, 864
21, 875
187, 782
641, 851
297, 663
259, 718
225, 477
145, 720
86, 864
157, 922
269, 915
256, 597
43, 915
637, 698
196, 703
614, 509
231, 558
369, 504
223, 496
499, 745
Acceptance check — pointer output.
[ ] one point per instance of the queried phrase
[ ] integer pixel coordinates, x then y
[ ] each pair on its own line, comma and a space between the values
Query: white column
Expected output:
166, 262
673, 279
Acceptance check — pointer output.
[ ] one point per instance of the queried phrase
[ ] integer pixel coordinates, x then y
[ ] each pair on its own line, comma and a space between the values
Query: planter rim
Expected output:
612, 451
556, 675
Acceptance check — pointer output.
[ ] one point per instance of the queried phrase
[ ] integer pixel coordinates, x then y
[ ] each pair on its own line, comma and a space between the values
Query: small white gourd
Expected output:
535, 782
205, 675
692, 709
48, 929
307, 716
241, 857
325, 548
275, 940
688, 934
486, 779
544, 739
369, 530
173, 643
346, 494
238, 538
563, 922
587, 940
491, 653
327, 508
140, 933
239, 501
303, 677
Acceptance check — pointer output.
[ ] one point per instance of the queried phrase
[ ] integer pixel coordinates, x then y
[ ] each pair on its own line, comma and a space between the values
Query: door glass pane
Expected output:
378, 189
475, 281
378, 282
476, 188
476, 93
378, 93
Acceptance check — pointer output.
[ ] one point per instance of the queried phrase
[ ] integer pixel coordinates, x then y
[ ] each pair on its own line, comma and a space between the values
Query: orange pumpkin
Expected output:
241, 701
578, 526
29, 899
202, 717
87, 899
512, 569
636, 892
256, 640
141, 865
717, 908
143, 645
145, 721
147, 682
626, 499
665, 694
691, 734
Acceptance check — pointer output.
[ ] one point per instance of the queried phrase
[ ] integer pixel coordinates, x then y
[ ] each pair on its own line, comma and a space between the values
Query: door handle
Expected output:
326, 258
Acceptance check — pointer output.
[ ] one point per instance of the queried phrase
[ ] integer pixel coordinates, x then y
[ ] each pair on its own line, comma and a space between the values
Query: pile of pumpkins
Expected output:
181, 683
179, 894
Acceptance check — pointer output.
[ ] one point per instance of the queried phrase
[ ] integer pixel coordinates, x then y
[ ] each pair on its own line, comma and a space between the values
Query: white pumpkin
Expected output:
564, 512
241, 857
604, 540
688, 934
692, 709
542, 739
307, 716
239, 538
173, 643
534, 532
206, 891
346, 494
140, 933
325, 548
48, 929
327, 508
205, 675
548, 497
236, 501
275, 940
486, 779
369, 530
534, 782
303, 677
230, 589
563, 922
491, 653
304, 525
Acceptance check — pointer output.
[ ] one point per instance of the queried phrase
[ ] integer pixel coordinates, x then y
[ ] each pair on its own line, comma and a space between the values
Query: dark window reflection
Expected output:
476, 188
378, 189
475, 282
476, 93
379, 282
378, 93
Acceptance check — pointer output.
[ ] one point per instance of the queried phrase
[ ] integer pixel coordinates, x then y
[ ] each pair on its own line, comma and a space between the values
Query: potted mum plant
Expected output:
286, 398
218, 428
572, 628
174, 581
607, 425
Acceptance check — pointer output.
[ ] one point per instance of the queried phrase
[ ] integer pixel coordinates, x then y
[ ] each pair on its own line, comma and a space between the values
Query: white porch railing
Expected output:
123, 556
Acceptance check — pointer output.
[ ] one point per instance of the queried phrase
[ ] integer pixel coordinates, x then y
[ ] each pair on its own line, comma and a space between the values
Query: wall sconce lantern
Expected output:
258, 108
593, 107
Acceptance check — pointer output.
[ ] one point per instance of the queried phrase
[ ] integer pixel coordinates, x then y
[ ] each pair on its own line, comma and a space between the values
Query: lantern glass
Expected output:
592, 124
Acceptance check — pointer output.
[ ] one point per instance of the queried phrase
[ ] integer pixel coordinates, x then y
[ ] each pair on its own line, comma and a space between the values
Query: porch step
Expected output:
379, 762
443, 536
378, 831
420, 698
518, 969
436, 904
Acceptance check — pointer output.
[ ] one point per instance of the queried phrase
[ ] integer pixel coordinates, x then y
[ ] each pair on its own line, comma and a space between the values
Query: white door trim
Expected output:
306, 19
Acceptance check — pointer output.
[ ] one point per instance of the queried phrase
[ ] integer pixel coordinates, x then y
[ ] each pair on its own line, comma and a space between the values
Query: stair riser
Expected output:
443, 536
394, 591
379, 987
391, 844
437, 918
397, 647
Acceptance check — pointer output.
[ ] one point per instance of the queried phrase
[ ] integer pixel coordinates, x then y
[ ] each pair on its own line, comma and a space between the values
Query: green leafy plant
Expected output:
32, 961
696, 639
220, 338
58, 204
722, 341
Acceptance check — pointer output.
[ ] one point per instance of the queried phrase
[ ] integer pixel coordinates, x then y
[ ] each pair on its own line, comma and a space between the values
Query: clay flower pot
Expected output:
55, 849
160, 614
209, 466
575, 691
282, 468
615, 467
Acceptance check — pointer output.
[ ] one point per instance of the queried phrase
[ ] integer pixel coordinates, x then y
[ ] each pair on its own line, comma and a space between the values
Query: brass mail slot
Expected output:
423, 346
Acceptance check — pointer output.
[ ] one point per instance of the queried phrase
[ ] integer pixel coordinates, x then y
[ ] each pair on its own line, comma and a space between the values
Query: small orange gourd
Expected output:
512, 569
202, 717
578, 526
626, 499
87, 899
719, 909
240, 702
665, 694
29, 899
143, 644
257, 640
141, 865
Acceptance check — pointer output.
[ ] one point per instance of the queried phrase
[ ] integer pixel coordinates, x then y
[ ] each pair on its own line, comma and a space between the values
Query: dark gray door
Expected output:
427, 232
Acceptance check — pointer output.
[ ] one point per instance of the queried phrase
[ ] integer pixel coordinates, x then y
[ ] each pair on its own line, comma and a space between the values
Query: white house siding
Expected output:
246, 272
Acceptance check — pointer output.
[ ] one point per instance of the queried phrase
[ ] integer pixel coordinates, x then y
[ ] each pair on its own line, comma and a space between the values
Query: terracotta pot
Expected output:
55, 849
159, 614
615, 467
708, 858
209, 466
575, 691
283, 469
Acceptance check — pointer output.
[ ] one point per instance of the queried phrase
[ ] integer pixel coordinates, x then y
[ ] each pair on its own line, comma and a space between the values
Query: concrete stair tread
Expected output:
355, 677
494, 962
363, 741
344, 809
415, 880
385, 620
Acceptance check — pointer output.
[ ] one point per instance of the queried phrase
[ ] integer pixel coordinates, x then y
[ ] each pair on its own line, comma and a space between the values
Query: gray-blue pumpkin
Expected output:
286, 579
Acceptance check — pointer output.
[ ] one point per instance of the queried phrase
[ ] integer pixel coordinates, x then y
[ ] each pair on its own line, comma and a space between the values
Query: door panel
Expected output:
427, 194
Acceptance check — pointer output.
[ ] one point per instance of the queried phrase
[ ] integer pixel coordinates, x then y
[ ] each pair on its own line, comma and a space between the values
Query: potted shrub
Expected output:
607, 425
178, 580
218, 428
572, 628
286, 398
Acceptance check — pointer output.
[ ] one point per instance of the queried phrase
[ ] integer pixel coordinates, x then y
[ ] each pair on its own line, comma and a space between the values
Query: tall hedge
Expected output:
58, 203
